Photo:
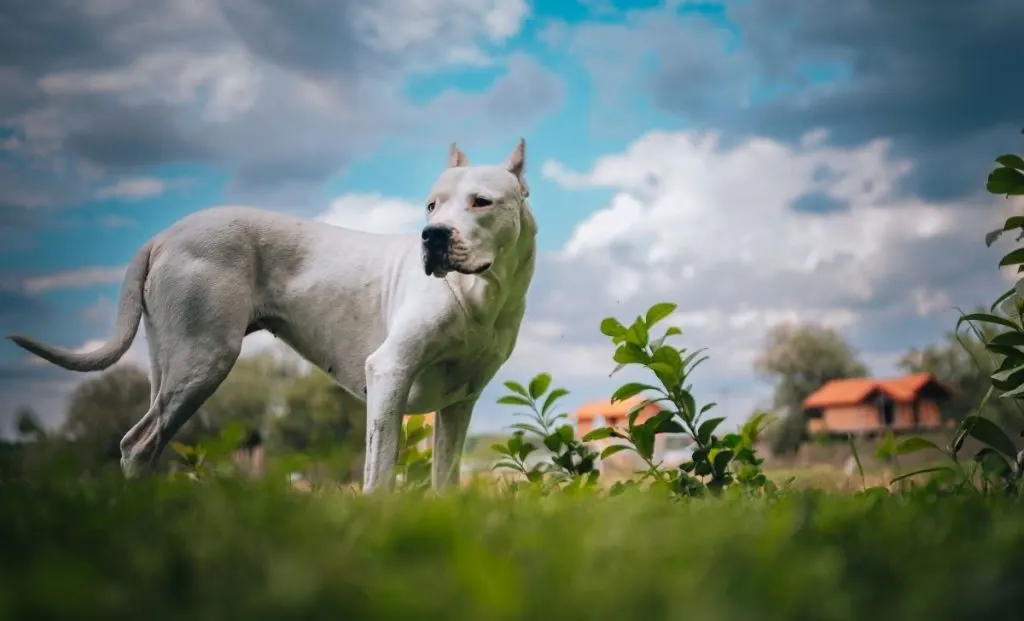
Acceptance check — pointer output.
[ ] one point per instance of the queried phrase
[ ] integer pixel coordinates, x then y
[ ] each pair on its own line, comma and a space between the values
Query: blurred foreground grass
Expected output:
103, 549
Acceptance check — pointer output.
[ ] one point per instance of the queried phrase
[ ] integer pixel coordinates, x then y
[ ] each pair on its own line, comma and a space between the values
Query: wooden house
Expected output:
867, 406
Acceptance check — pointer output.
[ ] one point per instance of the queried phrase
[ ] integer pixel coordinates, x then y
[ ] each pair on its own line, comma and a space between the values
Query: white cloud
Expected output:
449, 29
374, 213
715, 229
133, 189
682, 198
74, 279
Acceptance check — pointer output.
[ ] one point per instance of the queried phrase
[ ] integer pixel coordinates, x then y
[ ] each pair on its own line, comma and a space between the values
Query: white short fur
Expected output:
360, 306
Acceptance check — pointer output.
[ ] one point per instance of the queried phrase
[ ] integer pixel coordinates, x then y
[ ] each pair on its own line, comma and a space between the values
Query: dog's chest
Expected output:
451, 380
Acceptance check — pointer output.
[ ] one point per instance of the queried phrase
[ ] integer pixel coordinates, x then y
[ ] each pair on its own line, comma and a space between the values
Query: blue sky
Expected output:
754, 162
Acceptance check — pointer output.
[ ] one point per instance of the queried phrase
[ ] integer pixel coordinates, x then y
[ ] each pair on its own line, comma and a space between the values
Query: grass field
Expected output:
101, 549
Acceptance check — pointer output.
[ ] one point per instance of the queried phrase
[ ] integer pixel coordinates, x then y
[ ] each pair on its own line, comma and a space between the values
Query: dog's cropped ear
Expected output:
516, 164
456, 158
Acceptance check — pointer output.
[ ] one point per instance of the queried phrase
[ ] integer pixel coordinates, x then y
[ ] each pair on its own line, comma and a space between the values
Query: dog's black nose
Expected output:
436, 236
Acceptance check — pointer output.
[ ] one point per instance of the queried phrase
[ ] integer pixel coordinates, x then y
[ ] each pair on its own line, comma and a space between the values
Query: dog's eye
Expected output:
430, 206
480, 201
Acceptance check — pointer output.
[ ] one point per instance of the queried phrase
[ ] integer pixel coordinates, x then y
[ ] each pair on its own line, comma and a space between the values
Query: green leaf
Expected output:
990, 433
662, 423
611, 326
526, 449
912, 445
707, 428
1015, 393
1006, 375
689, 405
986, 318
639, 407
1014, 257
566, 433
1012, 339
886, 447
856, 459
539, 385
528, 427
629, 353
515, 400
183, 450
992, 236
658, 312
501, 448
613, 449
690, 358
553, 396
553, 442
600, 434
664, 371
1011, 161
636, 334
631, 389
670, 356
1005, 181
516, 387
643, 440
992, 463
1002, 298
721, 461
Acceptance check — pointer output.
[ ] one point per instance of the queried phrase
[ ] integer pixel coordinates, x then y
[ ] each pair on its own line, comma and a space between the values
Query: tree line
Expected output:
290, 409
797, 359
284, 407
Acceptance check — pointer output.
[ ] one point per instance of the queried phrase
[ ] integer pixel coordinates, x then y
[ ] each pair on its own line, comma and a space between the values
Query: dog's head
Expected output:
474, 213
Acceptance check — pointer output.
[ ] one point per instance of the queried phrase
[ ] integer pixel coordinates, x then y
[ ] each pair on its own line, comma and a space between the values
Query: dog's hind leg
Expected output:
153, 345
198, 335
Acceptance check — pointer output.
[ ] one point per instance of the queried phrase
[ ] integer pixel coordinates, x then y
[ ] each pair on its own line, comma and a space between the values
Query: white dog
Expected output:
404, 323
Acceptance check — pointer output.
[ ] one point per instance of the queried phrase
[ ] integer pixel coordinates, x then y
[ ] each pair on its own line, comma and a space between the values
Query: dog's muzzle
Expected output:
443, 252
437, 246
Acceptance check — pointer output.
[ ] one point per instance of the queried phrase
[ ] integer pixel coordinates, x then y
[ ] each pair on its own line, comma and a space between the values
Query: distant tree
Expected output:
316, 423
248, 395
103, 409
961, 362
798, 359
28, 426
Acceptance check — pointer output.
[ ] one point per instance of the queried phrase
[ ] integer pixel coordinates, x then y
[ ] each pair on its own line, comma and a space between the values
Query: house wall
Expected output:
929, 415
845, 418
583, 427
865, 417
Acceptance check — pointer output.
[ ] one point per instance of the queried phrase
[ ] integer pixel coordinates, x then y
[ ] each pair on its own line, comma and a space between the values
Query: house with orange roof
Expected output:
865, 405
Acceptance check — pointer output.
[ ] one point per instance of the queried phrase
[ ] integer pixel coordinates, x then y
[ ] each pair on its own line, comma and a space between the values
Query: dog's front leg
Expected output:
449, 438
388, 380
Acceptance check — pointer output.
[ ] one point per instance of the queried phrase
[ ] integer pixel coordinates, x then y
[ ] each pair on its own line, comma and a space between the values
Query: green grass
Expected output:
222, 550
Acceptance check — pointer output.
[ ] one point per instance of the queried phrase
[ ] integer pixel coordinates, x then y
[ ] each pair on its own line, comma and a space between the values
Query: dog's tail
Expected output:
129, 312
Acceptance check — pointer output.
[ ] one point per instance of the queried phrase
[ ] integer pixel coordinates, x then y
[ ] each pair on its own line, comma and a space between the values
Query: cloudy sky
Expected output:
752, 161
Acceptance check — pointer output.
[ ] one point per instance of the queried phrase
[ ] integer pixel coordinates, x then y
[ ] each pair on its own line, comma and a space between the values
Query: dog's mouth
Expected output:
440, 263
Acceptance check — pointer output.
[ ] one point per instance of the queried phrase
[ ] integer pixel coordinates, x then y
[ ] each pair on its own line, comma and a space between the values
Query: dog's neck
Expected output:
489, 297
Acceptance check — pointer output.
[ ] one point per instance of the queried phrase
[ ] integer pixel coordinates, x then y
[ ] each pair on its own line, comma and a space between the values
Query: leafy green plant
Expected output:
998, 465
211, 456
716, 462
571, 459
413, 466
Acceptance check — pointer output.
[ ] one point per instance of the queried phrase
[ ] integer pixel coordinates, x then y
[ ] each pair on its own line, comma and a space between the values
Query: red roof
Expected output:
603, 408
855, 390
